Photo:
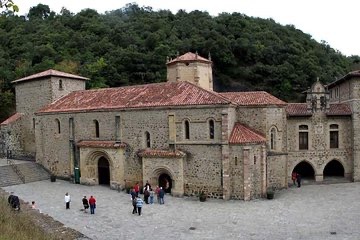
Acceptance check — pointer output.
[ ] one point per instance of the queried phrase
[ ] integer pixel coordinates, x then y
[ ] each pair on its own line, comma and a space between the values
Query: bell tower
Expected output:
192, 68
317, 98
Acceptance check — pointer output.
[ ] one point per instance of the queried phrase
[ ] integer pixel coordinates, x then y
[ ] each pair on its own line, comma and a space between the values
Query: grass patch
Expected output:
16, 225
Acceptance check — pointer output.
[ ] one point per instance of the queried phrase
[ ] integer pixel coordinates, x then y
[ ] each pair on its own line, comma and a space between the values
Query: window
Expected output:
60, 85
187, 129
147, 139
334, 136
272, 138
303, 137
97, 130
211, 129
58, 125
236, 161
33, 123
254, 160
117, 128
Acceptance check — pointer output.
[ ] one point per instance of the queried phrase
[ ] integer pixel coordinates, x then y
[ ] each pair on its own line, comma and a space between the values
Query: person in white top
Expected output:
67, 200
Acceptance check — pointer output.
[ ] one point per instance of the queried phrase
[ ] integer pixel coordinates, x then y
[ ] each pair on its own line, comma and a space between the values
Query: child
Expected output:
85, 203
152, 193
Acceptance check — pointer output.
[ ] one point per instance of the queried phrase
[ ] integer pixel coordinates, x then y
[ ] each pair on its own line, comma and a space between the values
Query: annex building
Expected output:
182, 135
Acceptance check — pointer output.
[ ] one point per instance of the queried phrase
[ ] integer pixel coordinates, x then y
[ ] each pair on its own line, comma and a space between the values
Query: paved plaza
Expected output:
310, 212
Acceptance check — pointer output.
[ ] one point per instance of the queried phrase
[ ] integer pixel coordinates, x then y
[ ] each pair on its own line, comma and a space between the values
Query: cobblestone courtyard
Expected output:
311, 212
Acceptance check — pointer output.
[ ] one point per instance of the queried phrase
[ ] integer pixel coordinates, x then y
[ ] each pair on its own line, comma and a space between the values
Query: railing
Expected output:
16, 170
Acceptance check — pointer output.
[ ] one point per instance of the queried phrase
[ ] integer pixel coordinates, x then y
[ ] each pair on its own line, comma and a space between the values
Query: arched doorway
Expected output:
165, 182
334, 169
305, 170
104, 171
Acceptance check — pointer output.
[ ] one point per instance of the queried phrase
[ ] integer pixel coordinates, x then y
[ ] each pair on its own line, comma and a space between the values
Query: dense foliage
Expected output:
130, 45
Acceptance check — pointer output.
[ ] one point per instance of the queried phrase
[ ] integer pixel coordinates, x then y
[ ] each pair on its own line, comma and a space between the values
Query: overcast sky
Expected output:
334, 21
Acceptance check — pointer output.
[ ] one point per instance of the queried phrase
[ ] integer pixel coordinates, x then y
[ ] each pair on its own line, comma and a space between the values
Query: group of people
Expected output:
296, 178
91, 202
149, 194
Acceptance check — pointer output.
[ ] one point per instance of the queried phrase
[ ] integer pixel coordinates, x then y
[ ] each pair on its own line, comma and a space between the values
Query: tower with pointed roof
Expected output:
192, 68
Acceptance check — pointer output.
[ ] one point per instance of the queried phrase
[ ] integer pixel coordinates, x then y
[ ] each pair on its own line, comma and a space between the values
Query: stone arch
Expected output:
306, 169
164, 178
100, 161
334, 168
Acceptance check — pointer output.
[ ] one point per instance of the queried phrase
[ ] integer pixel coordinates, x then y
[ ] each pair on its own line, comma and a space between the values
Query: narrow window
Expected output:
254, 160
236, 161
187, 129
60, 85
58, 126
117, 128
33, 123
334, 136
303, 137
272, 138
211, 129
97, 130
147, 139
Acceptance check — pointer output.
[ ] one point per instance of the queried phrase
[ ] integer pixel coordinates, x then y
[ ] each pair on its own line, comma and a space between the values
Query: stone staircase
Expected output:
31, 172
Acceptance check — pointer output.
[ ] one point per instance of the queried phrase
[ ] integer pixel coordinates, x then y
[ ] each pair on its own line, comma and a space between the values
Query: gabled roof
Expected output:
11, 119
161, 153
100, 144
300, 109
49, 73
344, 78
244, 134
189, 57
139, 96
259, 98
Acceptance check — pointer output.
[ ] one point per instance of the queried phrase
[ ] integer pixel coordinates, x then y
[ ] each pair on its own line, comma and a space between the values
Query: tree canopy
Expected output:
129, 46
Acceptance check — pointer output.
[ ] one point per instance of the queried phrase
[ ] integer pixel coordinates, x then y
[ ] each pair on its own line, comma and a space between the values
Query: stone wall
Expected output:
277, 170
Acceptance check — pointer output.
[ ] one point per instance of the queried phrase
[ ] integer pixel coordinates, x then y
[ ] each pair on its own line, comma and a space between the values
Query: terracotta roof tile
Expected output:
252, 98
297, 109
161, 153
342, 79
11, 119
101, 144
243, 134
49, 73
139, 96
300, 109
189, 57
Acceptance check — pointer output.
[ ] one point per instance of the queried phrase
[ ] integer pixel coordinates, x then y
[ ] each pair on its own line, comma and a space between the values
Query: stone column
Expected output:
225, 155
247, 174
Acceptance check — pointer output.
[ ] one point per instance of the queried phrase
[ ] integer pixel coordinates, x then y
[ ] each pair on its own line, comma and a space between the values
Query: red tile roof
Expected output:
49, 73
11, 119
300, 109
243, 134
101, 144
139, 96
161, 153
252, 98
189, 57
344, 78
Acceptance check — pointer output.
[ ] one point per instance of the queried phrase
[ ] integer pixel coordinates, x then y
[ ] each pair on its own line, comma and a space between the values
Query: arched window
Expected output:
58, 127
97, 130
303, 137
273, 139
60, 85
147, 139
211, 129
334, 136
187, 129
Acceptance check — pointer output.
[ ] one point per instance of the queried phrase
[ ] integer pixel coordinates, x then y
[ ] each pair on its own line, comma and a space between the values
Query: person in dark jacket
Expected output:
298, 180
161, 195
85, 203
134, 205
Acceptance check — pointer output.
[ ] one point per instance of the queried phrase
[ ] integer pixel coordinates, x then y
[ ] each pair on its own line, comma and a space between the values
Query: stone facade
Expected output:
230, 146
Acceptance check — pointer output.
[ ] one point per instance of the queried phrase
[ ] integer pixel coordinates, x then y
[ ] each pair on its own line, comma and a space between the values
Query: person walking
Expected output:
134, 205
67, 200
293, 177
298, 180
161, 195
85, 203
137, 189
139, 203
92, 202
151, 196
157, 191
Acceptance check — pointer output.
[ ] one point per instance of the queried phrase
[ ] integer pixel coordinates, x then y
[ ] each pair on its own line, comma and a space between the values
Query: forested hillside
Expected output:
130, 45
